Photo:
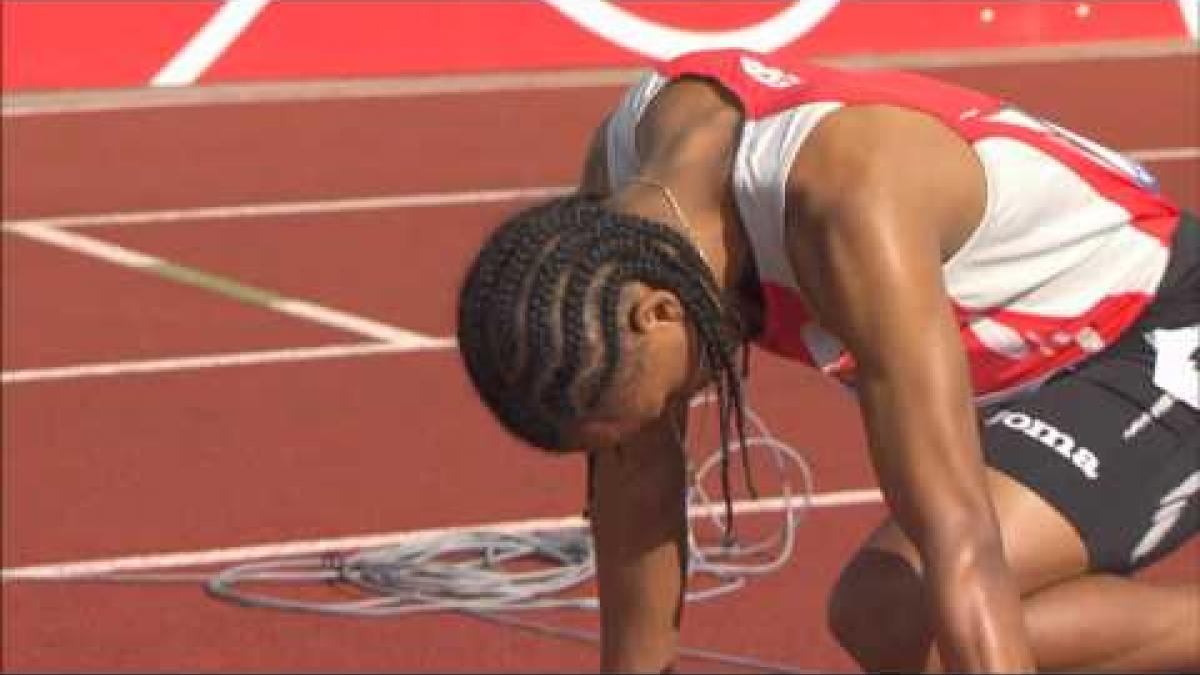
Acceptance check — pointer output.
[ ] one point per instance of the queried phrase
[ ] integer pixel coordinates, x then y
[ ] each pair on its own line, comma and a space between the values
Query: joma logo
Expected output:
1051, 437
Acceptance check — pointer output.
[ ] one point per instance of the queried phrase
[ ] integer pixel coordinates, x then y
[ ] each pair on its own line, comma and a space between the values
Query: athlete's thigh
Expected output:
1040, 545
1076, 484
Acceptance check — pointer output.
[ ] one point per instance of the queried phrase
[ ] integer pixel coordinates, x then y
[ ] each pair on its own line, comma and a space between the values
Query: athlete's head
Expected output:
579, 325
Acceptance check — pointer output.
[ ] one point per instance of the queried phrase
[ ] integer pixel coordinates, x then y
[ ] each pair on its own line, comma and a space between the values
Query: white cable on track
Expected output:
490, 574
474, 571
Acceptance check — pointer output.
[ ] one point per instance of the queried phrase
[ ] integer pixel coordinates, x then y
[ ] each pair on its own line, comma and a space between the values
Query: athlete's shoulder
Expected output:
883, 163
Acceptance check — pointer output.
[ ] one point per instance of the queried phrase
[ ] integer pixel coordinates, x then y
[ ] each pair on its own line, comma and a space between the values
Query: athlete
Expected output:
1016, 307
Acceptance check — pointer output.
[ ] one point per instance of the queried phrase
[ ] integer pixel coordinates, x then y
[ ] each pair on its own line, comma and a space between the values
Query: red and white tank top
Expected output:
1073, 242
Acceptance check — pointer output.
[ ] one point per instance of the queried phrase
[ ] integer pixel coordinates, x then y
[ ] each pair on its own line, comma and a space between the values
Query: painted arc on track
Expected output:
645, 37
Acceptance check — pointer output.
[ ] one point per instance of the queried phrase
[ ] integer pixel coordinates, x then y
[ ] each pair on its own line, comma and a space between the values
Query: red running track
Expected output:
194, 460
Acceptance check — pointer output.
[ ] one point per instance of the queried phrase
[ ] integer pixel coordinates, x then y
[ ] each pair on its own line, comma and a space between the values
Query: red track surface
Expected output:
193, 460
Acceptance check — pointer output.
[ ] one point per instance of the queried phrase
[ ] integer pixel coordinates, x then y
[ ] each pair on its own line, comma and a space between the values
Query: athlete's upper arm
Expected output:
877, 193
594, 180
873, 193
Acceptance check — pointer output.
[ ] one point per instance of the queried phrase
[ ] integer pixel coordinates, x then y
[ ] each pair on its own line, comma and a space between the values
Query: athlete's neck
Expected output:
713, 228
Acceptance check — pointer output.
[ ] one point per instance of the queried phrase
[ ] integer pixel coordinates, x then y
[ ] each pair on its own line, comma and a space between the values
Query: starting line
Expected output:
164, 561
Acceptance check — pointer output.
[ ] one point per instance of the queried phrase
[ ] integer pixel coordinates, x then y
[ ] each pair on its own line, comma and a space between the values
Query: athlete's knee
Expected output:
877, 612
1180, 612
1189, 624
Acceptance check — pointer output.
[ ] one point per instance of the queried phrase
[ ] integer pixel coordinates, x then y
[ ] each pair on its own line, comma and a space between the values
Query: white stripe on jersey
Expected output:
1049, 244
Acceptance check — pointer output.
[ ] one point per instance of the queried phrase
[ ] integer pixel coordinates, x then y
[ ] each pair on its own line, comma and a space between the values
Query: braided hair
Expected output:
538, 325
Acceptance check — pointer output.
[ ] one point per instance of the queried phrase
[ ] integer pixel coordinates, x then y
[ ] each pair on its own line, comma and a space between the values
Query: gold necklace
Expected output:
683, 221
733, 302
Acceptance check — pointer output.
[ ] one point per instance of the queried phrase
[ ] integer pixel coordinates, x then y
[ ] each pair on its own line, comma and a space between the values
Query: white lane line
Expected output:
206, 361
1152, 156
355, 324
88, 246
229, 288
207, 45
160, 561
416, 200
407, 201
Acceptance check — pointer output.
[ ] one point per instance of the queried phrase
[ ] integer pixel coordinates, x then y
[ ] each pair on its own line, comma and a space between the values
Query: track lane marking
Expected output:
407, 201
47, 227
1160, 155
160, 561
209, 43
223, 286
207, 361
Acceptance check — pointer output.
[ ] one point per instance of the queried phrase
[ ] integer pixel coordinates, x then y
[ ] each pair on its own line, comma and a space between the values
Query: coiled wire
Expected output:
487, 571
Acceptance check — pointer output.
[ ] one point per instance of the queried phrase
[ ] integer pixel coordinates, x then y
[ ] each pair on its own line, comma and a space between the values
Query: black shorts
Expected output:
1130, 490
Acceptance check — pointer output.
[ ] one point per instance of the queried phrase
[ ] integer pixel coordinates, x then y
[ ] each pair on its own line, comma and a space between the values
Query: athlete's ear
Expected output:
654, 309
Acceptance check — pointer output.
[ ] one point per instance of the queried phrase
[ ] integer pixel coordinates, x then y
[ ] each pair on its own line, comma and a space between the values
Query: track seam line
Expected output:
223, 286
159, 561
30, 104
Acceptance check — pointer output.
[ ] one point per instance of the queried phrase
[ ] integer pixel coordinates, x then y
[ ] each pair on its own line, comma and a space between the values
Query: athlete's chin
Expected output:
599, 434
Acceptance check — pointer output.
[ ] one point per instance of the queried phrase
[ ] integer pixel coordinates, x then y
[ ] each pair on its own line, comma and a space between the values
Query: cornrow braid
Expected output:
538, 317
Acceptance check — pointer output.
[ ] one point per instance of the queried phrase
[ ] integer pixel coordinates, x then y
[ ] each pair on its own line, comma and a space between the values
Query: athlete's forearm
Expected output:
639, 524
641, 582
977, 615
639, 603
